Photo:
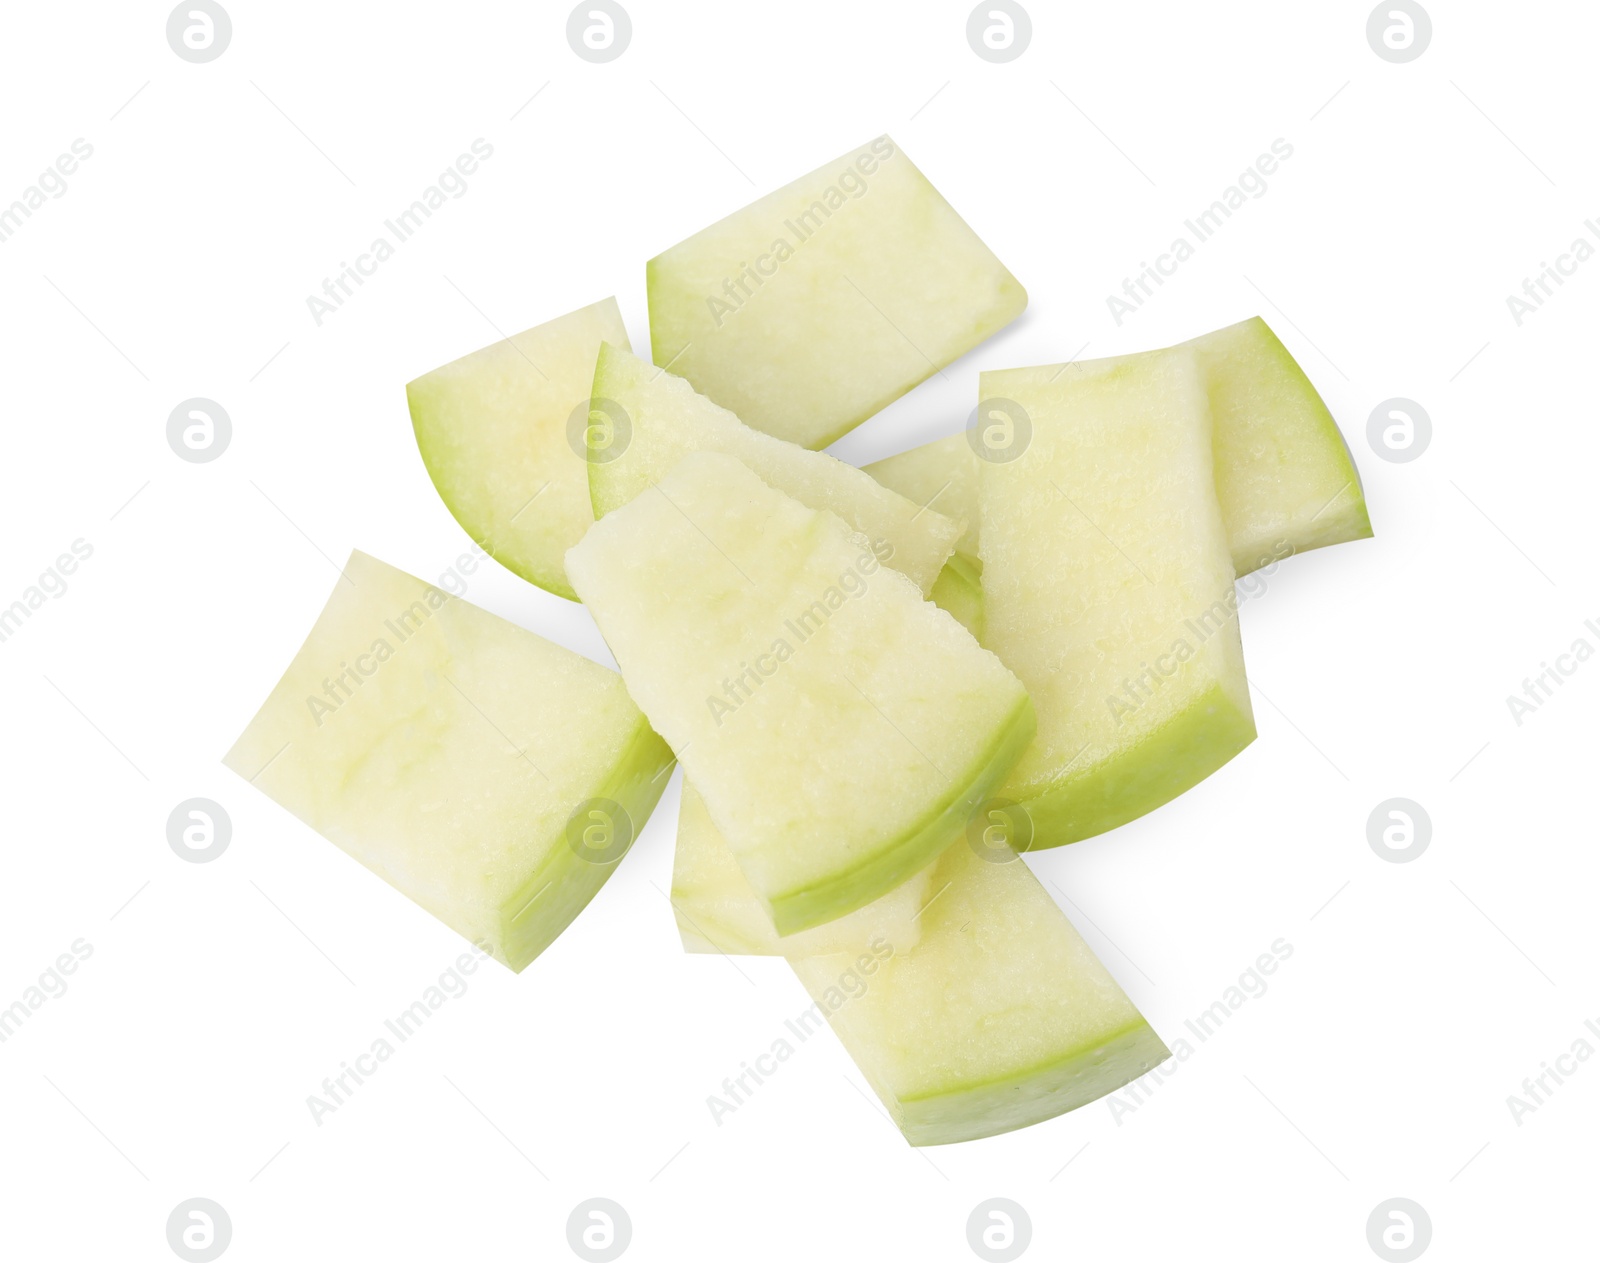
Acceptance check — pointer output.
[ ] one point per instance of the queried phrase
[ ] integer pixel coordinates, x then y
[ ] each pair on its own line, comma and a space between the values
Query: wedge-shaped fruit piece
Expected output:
1285, 479
1108, 588
495, 432
1000, 1016
839, 727
718, 912
666, 420
491, 776
809, 310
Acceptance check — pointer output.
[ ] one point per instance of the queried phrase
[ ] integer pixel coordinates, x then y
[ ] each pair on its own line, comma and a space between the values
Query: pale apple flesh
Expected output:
717, 911
839, 727
1109, 589
943, 475
413, 731
1000, 1016
493, 430
813, 308
1285, 480
666, 420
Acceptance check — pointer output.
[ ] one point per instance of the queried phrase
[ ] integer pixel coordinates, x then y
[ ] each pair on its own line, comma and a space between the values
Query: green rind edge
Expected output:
1171, 760
958, 591
558, 587
1033, 1095
828, 900
1351, 521
529, 923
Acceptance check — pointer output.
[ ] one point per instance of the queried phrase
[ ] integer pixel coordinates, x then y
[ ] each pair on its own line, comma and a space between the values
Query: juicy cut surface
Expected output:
839, 727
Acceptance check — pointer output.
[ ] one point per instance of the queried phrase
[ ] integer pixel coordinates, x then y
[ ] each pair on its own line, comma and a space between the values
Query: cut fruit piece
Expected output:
718, 912
943, 475
494, 432
667, 420
1285, 480
999, 1017
813, 308
839, 727
489, 775
1108, 588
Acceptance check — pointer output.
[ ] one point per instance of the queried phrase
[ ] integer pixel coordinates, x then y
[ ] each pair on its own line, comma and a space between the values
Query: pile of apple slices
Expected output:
882, 684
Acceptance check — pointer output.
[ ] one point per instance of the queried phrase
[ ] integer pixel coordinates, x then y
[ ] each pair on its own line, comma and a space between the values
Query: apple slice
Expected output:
814, 307
1108, 588
998, 1017
495, 431
966, 997
717, 911
1285, 479
489, 775
665, 420
839, 727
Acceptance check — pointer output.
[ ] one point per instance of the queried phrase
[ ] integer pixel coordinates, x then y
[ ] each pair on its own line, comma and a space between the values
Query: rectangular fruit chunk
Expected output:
663, 420
494, 431
814, 307
1285, 480
1108, 588
999, 1017
492, 777
839, 727
717, 911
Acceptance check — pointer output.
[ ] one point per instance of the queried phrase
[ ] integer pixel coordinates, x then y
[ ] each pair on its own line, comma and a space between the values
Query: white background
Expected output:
177, 264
